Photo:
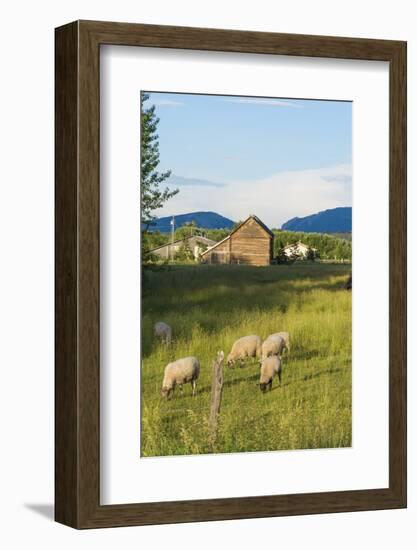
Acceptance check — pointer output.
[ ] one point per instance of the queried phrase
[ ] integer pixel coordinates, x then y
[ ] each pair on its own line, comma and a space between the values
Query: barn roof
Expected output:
260, 222
253, 217
215, 245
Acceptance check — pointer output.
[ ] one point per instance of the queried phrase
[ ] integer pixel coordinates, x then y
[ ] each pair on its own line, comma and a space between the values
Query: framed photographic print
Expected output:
230, 274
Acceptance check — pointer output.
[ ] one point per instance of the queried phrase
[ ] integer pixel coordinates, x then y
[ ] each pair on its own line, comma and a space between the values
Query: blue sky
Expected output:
277, 158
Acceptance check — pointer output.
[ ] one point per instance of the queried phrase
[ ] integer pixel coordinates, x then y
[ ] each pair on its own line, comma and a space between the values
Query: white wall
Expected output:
26, 289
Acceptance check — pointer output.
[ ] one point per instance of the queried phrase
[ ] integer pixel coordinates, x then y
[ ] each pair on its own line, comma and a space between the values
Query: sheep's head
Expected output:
263, 387
230, 361
166, 392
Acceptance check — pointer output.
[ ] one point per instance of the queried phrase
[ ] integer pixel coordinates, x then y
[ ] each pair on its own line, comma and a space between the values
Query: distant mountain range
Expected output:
335, 220
209, 220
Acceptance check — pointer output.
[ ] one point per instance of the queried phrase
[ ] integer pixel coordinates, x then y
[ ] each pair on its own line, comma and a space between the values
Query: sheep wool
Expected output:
269, 367
286, 338
247, 346
163, 331
273, 345
180, 372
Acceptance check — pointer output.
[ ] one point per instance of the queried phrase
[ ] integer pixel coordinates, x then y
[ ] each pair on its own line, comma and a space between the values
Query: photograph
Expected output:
246, 266
219, 305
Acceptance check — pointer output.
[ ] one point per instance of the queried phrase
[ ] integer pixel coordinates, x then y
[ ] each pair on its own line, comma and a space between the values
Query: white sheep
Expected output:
273, 345
247, 346
180, 372
270, 365
163, 331
286, 337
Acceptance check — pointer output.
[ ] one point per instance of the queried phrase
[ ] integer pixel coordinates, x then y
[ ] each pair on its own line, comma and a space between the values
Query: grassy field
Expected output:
209, 307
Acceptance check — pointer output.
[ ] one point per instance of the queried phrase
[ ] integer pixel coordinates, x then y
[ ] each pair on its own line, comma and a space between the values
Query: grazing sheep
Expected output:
273, 345
180, 372
286, 337
163, 331
247, 346
270, 366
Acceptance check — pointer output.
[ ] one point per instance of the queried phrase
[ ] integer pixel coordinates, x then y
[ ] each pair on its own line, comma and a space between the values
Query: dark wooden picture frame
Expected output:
77, 372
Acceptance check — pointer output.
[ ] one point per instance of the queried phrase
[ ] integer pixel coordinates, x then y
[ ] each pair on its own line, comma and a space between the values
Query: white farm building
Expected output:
196, 244
298, 248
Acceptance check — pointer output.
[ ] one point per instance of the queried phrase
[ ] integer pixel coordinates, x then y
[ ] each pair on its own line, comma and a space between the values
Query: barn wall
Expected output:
250, 245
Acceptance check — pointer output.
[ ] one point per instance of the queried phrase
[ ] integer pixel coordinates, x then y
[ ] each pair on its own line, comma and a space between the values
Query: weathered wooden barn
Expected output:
250, 243
196, 243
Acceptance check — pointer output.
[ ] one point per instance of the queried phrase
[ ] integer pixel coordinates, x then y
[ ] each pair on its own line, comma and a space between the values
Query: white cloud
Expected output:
181, 181
274, 199
263, 101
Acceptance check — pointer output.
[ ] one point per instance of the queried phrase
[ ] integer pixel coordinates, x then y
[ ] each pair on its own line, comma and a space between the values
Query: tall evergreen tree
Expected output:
152, 196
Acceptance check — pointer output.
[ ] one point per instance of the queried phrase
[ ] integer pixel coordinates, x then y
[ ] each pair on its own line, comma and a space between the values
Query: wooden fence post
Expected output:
216, 394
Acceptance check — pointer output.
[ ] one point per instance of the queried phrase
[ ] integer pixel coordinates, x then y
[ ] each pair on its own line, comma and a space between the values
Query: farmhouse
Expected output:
250, 243
196, 244
298, 248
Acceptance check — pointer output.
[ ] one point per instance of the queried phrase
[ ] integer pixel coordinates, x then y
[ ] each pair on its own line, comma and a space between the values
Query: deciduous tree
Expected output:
152, 195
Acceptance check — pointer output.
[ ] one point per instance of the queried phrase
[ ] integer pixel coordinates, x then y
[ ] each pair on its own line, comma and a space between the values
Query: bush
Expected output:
312, 255
184, 254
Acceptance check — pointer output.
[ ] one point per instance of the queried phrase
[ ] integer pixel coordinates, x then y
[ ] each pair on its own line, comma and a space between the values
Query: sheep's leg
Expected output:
193, 385
270, 385
279, 376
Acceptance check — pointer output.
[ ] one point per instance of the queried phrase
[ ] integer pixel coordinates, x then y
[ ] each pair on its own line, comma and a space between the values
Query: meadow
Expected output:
208, 308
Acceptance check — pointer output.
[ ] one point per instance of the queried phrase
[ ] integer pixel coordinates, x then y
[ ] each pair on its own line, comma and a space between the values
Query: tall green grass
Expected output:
209, 307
